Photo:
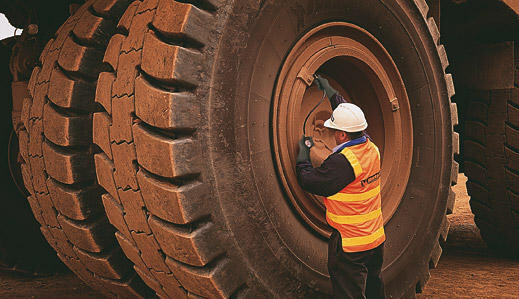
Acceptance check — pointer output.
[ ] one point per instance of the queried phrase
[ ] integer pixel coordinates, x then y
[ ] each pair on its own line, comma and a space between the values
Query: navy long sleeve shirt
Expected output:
334, 174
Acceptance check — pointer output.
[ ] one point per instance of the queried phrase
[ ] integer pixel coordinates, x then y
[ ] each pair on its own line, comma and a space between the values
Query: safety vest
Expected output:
355, 211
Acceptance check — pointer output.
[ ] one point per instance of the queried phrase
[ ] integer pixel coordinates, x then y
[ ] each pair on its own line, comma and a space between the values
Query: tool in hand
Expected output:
308, 143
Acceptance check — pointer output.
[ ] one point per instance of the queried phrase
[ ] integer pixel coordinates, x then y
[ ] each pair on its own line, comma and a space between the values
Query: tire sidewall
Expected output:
282, 253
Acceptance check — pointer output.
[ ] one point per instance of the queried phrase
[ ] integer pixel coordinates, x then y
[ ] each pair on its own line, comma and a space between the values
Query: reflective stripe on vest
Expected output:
356, 210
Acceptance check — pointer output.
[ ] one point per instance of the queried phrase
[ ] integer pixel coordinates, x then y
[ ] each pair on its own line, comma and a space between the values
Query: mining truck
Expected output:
155, 140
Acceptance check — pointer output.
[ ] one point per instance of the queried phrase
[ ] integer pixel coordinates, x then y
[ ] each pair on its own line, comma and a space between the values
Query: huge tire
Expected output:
188, 161
491, 158
57, 150
22, 246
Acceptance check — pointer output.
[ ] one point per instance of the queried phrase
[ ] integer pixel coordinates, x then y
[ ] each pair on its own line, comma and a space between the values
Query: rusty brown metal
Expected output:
359, 67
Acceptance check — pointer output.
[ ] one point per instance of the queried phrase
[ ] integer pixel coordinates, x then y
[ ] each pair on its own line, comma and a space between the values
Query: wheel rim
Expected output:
360, 68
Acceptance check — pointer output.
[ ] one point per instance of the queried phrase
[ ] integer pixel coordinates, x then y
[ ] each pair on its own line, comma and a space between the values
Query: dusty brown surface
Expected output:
65, 285
465, 269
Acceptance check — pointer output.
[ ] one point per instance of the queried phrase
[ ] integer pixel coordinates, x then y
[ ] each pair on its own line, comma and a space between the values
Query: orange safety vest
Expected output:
356, 210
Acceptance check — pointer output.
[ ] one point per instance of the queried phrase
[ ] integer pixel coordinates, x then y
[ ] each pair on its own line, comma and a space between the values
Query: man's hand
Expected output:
323, 84
305, 144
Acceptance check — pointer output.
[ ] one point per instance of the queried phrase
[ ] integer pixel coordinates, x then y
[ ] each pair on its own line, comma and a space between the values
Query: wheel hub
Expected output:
359, 67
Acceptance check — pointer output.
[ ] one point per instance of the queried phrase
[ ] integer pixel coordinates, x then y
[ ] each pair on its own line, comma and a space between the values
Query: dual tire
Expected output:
172, 163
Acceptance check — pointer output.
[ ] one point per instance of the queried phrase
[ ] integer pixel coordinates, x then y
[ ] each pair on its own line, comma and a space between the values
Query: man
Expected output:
349, 179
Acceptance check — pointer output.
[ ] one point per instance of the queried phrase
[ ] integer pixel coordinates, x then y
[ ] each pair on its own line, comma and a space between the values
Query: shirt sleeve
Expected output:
336, 100
332, 176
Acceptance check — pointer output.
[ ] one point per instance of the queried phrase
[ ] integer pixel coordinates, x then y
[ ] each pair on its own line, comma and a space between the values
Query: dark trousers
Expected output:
355, 274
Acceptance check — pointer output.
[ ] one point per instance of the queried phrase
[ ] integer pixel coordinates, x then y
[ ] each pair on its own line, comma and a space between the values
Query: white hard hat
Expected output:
347, 117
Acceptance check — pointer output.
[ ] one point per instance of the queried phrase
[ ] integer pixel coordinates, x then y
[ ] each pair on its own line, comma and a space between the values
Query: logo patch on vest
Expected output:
370, 179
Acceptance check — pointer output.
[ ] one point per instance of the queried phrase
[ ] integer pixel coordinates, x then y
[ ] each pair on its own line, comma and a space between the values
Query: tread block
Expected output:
450, 85
126, 73
475, 131
195, 247
68, 167
134, 211
94, 28
435, 256
164, 156
443, 57
62, 242
38, 175
27, 178
218, 281
67, 130
114, 8
454, 114
77, 204
23, 141
48, 212
513, 115
454, 172
451, 200
26, 113
189, 21
105, 174
512, 180
433, 29
93, 236
477, 191
149, 280
69, 93
137, 30
115, 214
122, 110
112, 265
113, 50
124, 157
444, 229
101, 134
476, 172
164, 109
103, 94
127, 17
48, 66
80, 59
170, 63
512, 136
179, 205
32, 80
40, 92
170, 284
147, 5
35, 139
474, 151
150, 251
512, 158
423, 7
130, 251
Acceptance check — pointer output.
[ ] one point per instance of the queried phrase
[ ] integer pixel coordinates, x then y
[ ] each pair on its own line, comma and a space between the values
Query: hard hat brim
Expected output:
330, 124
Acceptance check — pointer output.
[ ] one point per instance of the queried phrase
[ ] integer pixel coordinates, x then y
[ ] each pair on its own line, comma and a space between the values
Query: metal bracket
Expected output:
394, 104
305, 76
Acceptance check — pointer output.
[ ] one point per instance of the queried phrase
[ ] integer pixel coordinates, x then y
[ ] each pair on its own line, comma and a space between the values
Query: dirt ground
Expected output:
466, 270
